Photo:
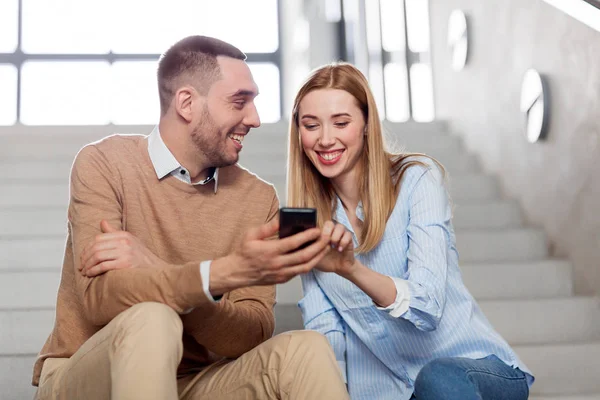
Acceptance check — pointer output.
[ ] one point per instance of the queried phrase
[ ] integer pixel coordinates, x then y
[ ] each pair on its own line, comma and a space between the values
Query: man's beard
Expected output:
209, 142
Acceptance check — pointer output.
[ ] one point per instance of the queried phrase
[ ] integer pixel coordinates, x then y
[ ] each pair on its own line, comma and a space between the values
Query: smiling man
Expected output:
167, 286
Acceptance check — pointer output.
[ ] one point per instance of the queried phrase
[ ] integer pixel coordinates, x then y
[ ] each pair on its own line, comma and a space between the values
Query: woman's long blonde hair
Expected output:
380, 171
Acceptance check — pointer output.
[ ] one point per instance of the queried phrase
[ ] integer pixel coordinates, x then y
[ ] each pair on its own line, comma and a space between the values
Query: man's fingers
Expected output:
93, 248
291, 243
99, 257
297, 257
264, 231
106, 227
103, 267
289, 272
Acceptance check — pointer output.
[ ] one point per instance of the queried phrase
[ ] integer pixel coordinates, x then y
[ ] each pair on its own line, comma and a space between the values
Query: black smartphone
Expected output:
295, 220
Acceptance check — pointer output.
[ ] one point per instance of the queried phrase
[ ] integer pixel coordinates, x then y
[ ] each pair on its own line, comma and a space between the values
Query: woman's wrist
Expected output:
353, 274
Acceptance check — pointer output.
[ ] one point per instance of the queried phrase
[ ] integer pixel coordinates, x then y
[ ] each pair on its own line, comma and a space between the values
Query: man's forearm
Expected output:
107, 295
235, 324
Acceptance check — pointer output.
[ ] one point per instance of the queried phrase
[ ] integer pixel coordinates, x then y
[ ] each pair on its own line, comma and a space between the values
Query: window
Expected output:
82, 62
399, 68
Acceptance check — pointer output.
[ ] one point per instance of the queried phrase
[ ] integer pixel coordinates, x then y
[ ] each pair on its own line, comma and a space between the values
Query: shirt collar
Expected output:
165, 163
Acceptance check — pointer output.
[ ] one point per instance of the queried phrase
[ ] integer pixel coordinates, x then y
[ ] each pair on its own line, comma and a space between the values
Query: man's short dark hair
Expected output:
192, 61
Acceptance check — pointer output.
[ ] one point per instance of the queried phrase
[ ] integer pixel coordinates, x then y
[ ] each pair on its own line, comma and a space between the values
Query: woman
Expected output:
389, 295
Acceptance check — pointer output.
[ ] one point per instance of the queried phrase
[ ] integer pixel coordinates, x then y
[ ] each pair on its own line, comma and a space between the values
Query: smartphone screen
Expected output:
296, 220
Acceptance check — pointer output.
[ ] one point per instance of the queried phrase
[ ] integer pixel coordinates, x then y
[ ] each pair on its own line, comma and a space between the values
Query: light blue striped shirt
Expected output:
382, 355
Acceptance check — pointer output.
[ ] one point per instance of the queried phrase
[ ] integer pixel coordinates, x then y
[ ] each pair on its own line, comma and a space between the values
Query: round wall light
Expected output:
535, 105
458, 39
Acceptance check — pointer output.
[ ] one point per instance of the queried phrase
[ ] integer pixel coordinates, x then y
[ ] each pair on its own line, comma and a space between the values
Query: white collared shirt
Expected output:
165, 163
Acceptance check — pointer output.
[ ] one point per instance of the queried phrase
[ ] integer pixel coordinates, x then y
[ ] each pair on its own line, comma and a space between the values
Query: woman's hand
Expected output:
340, 259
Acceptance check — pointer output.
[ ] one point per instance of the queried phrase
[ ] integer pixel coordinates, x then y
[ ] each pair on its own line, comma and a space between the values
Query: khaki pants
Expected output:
136, 357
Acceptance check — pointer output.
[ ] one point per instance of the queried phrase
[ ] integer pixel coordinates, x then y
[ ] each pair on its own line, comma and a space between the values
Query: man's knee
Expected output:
153, 320
444, 378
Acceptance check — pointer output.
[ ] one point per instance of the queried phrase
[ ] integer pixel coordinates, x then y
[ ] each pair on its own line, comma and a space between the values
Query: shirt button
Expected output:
182, 172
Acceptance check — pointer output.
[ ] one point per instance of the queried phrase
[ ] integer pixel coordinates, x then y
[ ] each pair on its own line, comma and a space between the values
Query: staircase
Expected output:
526, 295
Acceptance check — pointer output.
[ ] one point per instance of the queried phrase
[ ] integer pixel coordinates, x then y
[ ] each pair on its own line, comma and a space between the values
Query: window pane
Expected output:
376, 84
392, 25
134, 93
266, 76
396, 92
253, 27
373, 27
66, 26
8, 94
422, 92
417, 17
9, 18
65, 93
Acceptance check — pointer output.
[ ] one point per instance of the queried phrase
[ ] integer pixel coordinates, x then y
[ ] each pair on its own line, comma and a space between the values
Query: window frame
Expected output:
18, 58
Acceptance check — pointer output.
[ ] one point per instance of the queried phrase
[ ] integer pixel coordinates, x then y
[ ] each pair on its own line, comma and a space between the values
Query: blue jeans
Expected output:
467, 379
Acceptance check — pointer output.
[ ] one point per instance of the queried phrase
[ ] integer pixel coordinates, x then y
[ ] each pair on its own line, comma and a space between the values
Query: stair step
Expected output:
502, 245
538, 321
475, 246
32, 253
43, 283
15, 377
499, 214
44, 220
520, 322
519, 280
33, 222
463, 189
24, 331
563, 368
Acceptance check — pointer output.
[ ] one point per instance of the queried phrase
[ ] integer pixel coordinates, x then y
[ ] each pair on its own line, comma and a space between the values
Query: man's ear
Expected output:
184, 100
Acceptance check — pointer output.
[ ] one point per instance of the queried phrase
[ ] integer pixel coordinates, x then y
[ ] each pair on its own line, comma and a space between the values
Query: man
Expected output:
167, 286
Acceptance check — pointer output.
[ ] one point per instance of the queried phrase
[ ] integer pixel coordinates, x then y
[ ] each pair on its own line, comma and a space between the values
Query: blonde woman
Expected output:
389, 295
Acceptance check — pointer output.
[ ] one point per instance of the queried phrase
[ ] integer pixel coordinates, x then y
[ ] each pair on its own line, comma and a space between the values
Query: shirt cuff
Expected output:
402, 301
205, 275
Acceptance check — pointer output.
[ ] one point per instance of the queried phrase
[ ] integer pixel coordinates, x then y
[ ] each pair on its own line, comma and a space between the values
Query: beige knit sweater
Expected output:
114, 179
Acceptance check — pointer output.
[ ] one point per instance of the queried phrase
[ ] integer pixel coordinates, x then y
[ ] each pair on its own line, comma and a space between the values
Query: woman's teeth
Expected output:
331, 156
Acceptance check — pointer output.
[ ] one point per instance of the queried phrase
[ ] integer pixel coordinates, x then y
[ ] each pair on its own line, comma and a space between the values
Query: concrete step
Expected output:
24, 331
15, 377
563, 369
475, 246
58, 170
14, 285
542, 321
465, 189
39, 142
519, 280
497, 214
510, 280
520, 322
43, 220
33, 221
501, 245
32, 253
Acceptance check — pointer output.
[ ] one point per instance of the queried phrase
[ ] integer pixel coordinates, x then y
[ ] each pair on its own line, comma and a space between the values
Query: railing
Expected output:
586, 11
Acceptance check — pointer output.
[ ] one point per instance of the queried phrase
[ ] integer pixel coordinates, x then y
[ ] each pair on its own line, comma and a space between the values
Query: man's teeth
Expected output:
330, 156
237, 138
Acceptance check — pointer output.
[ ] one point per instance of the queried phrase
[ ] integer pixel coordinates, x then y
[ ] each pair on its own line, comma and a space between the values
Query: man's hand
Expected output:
114, 249
260, 261
340, 259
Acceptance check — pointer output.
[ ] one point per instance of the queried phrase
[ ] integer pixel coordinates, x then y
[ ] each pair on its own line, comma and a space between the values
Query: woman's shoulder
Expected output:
408, 169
